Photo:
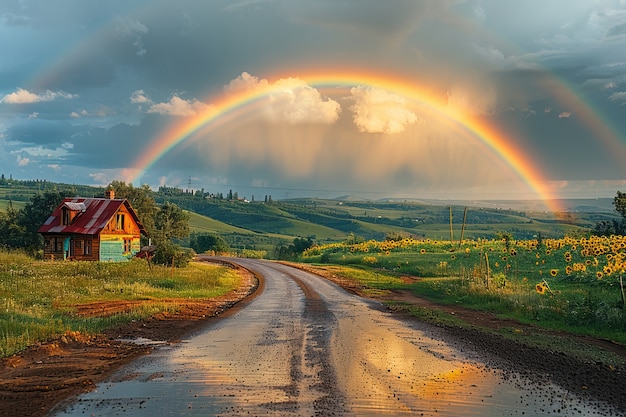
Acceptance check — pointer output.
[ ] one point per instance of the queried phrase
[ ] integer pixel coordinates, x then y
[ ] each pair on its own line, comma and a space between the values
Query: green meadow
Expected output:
38, 300
568, 284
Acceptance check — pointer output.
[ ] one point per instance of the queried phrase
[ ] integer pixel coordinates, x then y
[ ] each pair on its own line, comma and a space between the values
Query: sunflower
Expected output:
422, 251
599, 274
554, 272
540, 288
569, 270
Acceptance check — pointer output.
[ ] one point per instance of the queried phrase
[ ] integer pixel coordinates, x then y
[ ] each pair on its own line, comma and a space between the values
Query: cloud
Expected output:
128, 27
176, 106
565, 115
78, 115
618, 97
139, 97
22, 161
289, 100
33, 115
22, 96
103, 112
377, 111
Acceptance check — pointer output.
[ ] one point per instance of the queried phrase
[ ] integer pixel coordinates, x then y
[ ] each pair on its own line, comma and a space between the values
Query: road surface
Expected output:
305, 347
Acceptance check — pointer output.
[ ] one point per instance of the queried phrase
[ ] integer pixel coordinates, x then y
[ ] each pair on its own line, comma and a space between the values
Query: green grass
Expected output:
490, 275
38, 299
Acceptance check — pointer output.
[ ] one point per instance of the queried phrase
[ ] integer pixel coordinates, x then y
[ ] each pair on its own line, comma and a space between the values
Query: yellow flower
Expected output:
422, 251
554, 272
599, 274
568, 270
540, 288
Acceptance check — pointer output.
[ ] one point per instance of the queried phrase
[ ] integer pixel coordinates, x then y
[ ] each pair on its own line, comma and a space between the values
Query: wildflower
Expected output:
540, 288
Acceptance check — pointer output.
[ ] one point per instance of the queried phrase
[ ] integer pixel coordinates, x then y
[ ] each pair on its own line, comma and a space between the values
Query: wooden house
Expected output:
92, 229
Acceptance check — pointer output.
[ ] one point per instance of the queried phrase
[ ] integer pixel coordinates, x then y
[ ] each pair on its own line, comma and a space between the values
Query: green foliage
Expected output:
290, 252
18, 228
167, 253
204, 242
619, 202
141, 200
11, 232
171, 222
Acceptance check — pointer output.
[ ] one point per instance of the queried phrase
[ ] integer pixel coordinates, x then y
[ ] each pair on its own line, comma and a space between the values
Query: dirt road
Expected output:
305, 347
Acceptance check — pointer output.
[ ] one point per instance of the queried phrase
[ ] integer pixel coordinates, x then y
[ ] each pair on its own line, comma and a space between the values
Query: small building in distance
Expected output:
92, 229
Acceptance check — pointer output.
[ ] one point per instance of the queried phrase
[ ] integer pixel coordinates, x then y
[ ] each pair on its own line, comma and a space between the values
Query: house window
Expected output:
58, 244
87, 248
46, 244
66, 217
120, 221
127, 245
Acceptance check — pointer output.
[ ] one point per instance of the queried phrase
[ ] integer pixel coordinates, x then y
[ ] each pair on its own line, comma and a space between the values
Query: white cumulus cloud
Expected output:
177, 106
376, 110
565, 115
289, 100
22, 96
139, 97
22, 161
618, 97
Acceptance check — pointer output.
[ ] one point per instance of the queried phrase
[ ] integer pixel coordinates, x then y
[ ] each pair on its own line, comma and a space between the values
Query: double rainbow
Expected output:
498, 142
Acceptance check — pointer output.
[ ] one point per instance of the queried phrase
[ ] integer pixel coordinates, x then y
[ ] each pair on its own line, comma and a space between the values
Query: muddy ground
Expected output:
35, 380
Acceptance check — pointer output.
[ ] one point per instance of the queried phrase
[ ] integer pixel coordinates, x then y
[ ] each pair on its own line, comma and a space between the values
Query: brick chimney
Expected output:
110, 194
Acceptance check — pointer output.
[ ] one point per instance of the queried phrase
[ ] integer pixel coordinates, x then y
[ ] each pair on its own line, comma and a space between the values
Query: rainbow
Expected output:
497, 141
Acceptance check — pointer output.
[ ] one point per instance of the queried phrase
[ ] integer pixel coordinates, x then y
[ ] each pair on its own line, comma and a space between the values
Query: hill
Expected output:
265, 224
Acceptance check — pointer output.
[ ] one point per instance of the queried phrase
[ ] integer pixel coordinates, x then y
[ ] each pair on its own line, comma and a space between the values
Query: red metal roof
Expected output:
88, 221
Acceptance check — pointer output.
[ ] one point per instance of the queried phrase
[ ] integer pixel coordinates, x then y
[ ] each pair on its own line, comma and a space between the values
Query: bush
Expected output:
168, 253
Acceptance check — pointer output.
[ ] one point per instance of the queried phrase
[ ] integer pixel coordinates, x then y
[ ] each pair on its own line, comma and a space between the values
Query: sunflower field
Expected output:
570, 283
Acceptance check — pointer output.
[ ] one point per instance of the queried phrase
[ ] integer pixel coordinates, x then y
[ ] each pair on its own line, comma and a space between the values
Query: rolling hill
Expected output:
263, 224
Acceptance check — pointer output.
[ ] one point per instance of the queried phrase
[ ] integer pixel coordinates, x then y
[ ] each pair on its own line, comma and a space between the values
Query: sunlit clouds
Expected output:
22, 96
272, 80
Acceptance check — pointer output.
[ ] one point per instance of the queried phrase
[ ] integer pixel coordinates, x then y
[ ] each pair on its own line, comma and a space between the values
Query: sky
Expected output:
419, 99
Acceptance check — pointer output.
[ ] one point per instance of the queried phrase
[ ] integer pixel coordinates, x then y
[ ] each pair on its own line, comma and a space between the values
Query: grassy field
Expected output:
567, 284
38, 299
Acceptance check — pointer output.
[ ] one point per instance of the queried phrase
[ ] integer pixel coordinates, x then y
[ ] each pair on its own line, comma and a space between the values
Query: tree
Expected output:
619, 202
35, 213
141, 201
11, 233
204, 242
301, 244
171, 222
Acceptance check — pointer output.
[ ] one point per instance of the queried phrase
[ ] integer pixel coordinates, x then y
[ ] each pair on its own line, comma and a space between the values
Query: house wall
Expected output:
117, 247
120, 239
75, 247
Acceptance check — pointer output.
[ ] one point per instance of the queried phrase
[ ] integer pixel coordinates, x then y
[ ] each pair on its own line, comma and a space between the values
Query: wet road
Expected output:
305, 347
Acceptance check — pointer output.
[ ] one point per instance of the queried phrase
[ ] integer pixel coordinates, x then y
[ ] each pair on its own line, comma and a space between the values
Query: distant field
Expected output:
260, 224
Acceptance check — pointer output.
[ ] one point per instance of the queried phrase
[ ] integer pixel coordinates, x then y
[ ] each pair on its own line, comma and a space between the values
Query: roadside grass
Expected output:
567, 284
38, 299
